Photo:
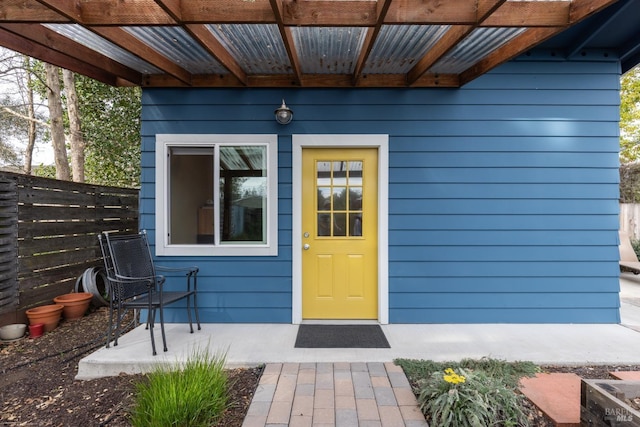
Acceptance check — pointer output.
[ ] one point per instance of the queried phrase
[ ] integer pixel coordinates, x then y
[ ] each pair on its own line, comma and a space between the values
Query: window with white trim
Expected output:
216, 194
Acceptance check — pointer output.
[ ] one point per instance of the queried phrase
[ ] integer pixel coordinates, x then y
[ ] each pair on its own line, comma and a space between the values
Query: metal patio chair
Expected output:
134, 284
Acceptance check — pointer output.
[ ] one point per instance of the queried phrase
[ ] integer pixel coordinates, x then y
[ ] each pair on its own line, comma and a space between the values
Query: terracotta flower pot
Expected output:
75, 304
47, 314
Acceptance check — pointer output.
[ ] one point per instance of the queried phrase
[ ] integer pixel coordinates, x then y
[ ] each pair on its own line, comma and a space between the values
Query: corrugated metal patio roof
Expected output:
287, 43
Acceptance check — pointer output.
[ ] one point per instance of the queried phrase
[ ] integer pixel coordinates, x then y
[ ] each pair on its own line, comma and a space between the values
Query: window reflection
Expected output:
243, 193
324, 224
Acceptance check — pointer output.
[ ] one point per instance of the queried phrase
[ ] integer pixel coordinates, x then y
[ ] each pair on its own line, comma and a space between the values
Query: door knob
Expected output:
306, 247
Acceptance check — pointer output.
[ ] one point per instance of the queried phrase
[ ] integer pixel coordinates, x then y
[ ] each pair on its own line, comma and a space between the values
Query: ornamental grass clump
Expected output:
194, 394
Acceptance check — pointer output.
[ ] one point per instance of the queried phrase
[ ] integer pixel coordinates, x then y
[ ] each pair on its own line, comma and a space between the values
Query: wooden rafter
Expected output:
287, 38
31, 48
508, 51
372, 35
128, 42
62, 45
109, 19
452, 37
214, 47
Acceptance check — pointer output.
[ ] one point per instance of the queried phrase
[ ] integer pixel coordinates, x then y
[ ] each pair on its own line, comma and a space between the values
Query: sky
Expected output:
9, 87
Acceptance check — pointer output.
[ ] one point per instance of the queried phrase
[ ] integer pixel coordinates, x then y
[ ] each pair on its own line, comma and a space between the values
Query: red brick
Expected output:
626, 375
557, 395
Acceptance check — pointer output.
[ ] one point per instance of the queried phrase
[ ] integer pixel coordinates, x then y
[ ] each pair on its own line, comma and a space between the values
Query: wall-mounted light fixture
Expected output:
283, 114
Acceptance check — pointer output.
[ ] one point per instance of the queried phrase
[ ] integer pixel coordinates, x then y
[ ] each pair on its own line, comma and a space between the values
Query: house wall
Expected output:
503, 194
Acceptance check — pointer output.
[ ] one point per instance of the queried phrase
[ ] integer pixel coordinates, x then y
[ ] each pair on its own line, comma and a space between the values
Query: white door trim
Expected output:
381, 142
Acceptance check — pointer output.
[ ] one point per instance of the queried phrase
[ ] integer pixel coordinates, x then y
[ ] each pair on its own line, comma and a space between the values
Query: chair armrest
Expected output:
151, 280
188, 270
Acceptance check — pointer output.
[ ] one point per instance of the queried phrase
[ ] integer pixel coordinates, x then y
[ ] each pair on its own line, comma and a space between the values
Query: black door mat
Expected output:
341, 336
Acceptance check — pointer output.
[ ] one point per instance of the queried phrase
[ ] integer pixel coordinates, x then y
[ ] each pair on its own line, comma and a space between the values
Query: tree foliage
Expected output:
630, 116
111, 127
630, 183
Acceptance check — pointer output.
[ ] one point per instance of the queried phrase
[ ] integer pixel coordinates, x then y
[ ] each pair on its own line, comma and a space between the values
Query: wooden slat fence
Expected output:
48, 236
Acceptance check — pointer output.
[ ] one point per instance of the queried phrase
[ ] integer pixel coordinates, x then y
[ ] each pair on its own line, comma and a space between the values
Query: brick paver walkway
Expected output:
334, 394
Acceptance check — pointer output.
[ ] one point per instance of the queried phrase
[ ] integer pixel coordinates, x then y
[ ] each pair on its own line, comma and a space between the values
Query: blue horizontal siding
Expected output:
502, 222
564, 239
505, 191
523, 252
245, 314
490, 285
495, 300
475, 268
513, 175
505, 207
503, 159
503, 195
470, 128
402, 113
507, 143
505, 315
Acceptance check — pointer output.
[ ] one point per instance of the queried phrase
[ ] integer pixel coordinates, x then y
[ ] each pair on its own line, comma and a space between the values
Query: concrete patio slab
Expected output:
254, 344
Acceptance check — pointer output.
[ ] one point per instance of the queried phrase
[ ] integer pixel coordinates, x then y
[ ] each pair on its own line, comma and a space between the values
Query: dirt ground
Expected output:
37, 386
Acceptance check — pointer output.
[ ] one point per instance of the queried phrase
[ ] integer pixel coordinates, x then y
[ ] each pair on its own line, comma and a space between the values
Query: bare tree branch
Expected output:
22, 116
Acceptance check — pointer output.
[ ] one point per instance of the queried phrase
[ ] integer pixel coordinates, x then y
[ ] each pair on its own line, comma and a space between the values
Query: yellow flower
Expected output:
453, 378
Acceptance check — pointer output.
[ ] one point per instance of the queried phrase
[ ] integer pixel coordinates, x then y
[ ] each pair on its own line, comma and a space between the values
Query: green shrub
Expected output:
509, 372
636, 247
469, 398
470, 392
194, 394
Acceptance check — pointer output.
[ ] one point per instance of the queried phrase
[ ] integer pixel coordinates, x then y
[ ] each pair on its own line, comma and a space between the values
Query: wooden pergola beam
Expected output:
114, 20
34, 49
126, 41
215, 48
354, 13
371, 37
287, 39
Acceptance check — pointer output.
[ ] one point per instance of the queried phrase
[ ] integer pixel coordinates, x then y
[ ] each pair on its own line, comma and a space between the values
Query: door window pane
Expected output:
324, 224
339, 224
355, 224
355, 198
339, 198
324, 198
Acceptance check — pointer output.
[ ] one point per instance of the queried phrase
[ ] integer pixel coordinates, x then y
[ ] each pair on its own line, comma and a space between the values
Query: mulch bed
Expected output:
37, 385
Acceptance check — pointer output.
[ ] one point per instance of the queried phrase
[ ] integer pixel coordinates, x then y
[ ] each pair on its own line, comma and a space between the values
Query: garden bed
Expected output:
37, 385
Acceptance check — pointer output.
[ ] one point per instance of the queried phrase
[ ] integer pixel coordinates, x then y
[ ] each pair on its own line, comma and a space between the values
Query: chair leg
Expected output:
118, 323
110, 324
195, 309
150, 323
164, 338
189, 314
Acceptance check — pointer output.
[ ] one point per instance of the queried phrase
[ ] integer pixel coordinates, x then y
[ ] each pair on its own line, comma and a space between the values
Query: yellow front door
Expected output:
339, 233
